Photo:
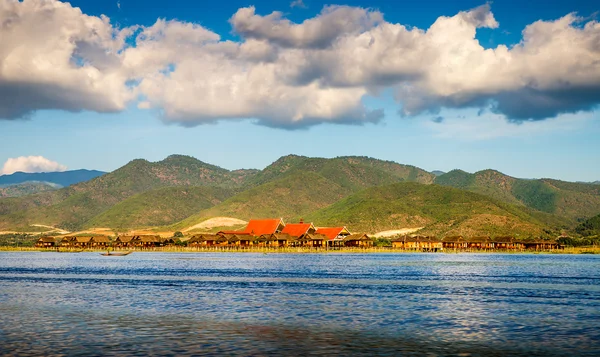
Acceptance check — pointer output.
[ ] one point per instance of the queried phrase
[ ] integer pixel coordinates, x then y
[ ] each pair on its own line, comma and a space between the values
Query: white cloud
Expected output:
319, 32
31, 164
54, 57
284, 74
298, 3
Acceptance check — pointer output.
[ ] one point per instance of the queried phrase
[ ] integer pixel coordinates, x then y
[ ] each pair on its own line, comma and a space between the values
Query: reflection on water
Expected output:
254, 304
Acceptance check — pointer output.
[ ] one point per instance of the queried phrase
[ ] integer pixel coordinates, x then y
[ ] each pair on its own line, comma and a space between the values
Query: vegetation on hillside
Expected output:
441, 210
159, 207
566, 199
364, 193
26, 188
291, 196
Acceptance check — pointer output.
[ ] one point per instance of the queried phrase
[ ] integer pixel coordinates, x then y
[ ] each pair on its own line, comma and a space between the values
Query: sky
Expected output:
440, 85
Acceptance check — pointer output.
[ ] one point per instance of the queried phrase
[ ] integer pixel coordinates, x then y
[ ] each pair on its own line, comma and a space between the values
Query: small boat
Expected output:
115, 254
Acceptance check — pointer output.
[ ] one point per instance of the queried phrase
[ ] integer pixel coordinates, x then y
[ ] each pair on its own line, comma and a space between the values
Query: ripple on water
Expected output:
252, 304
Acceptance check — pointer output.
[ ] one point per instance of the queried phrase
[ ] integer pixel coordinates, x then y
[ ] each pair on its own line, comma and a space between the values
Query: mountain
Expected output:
71, 207
26, 188
437, 172
181, 191
350, 172
291, 196
565, 199
65, 178
294, 186
159, 207
440, 210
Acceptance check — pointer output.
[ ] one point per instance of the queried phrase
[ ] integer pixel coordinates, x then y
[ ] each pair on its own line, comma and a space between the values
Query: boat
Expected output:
115, 254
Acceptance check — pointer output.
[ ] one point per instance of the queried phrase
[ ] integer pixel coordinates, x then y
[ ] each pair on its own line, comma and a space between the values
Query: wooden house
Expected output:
335, 235
418, 243
46, 242
507, 242
146, 241
76, 242
99, 242
266, 240
123, 241
280, 239
315, 240
480, 242
207, 240
358, 240
541, 245
454, 242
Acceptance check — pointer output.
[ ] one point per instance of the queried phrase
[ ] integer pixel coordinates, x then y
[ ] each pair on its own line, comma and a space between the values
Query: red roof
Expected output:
259, 227
331, 232
297, 229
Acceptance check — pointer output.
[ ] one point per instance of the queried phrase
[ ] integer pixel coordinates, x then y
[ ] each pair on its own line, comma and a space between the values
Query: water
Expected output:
306, 304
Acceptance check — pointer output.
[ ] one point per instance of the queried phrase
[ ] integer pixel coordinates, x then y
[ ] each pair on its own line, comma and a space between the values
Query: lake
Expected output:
177, 304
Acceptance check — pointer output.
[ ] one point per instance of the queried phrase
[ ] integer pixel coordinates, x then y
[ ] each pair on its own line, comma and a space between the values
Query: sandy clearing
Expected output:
395, 232
52, 229
216, 222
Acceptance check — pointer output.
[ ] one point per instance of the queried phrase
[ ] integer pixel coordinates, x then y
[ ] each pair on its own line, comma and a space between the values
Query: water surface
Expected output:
304, 304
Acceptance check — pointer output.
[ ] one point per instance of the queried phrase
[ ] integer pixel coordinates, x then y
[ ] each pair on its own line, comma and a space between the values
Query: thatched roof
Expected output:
147, 239
124, 239
47, 240
453, 239
357, 236
316, 236
506, 239
100, 239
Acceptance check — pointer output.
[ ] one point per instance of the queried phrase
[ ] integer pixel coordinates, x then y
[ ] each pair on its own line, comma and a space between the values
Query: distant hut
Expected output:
46, 242
316, 240
541, 245
279, 239
76, 242
507, 243
146, 241
335, 235
358, 240
99, 242
480, 242
123, 241
454, 242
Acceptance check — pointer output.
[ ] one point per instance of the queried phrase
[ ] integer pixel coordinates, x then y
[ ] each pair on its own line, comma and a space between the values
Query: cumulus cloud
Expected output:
320, 32
290, 75
30, 164
52, 56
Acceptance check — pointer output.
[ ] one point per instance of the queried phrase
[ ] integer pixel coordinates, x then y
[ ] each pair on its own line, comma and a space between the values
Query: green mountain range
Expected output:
26, 188
362, 193
565, 199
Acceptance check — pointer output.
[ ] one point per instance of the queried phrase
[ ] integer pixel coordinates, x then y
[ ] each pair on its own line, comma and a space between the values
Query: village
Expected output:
275, 233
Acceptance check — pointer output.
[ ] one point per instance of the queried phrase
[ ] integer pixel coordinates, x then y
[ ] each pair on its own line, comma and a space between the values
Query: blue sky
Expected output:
563, 144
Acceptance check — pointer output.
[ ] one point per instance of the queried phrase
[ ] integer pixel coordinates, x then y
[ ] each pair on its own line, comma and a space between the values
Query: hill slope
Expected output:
566, 199
289, 197
351, 172
441, 210
162, 206
65, 178
26, 188
71, 207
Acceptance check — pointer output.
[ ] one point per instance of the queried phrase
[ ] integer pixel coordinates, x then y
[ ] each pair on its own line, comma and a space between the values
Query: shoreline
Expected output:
296, 250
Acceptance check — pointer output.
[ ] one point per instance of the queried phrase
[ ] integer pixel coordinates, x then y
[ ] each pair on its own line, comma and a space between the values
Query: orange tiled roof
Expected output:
259, 227
297, 229
331, 232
